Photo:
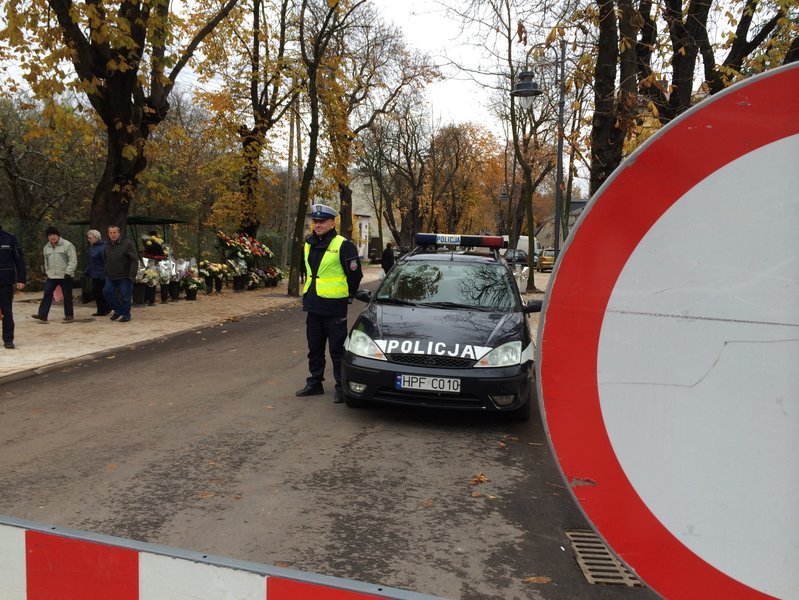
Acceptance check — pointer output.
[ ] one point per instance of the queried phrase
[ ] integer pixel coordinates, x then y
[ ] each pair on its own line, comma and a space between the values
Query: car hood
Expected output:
437, 331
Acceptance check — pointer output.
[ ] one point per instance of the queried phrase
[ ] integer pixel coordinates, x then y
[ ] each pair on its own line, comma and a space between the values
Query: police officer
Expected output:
333, 270
12, 274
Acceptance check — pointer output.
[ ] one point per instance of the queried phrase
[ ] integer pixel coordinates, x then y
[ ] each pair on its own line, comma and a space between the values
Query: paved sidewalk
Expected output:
41, 347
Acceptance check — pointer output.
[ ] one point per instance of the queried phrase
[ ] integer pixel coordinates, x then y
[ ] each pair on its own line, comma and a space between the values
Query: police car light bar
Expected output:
449, 239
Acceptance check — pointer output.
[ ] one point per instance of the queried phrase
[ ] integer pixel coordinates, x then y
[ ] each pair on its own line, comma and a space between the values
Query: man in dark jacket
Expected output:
334, 272
121, 264
12, 275
387, 260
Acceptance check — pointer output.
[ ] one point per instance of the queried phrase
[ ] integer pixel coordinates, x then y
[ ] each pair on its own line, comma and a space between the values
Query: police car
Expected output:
447, 328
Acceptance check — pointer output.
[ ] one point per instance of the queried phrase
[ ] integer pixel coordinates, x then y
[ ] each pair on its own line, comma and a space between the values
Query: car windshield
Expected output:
449, 285
549, 253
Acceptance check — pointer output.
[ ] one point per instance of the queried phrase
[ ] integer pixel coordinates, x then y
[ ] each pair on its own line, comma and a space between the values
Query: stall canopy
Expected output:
142, 224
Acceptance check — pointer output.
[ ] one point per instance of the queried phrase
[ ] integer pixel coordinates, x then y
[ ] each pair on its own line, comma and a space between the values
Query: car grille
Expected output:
426, 360
428, 399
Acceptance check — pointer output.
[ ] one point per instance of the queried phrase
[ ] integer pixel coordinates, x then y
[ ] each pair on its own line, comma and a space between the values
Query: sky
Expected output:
427, 28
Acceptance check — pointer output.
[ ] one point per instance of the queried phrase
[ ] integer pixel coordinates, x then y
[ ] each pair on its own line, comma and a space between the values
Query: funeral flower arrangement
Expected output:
149, 240
192, 280
242, 246
148, 276
212, 269
273, 274
234, 268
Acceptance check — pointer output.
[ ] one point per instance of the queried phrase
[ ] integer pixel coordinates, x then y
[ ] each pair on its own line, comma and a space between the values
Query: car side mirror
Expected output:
533, 306
363, 295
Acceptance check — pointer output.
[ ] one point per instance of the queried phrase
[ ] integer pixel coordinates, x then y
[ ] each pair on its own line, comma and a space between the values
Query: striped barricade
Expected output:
39, 562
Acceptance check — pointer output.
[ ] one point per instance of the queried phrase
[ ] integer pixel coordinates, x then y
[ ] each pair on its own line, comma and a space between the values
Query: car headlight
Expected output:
503, 356
361, 344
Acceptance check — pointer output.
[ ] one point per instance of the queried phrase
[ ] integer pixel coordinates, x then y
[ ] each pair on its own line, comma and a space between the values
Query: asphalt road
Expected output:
198, 442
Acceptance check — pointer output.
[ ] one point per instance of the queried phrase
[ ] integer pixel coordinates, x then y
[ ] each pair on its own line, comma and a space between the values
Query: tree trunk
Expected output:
346, 213
251, 145
605, 149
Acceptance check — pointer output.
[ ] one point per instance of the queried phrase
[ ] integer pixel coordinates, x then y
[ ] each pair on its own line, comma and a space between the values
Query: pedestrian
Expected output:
333, 270
95, 270
387, 260
121, 264
12, 275
60, 262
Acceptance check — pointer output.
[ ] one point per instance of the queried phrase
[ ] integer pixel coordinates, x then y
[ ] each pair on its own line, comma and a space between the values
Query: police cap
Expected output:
321, 212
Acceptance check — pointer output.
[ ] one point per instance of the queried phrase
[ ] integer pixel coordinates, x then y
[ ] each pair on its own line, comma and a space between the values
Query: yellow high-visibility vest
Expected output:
331, 282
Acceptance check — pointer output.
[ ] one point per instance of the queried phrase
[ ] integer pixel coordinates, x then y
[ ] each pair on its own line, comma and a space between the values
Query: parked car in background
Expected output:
546, 260
516, 257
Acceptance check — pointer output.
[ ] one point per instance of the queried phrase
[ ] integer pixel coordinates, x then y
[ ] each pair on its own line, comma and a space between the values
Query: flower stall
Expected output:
243, 257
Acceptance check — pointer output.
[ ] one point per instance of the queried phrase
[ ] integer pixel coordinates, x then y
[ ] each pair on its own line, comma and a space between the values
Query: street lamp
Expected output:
526, 89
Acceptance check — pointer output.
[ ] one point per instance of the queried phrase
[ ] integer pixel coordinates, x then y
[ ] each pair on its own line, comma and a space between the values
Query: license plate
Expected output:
427, 383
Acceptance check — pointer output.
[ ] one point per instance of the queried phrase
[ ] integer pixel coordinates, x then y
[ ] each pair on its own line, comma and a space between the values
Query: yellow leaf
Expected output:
479, 478
129, 152
537, 579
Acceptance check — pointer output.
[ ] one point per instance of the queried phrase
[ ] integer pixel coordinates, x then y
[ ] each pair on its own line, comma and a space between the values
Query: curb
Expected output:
44, 369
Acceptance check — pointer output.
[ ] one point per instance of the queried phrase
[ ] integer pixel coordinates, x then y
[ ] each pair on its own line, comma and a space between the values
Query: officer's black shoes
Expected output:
40, 318
338, 397
311, 390
9, 345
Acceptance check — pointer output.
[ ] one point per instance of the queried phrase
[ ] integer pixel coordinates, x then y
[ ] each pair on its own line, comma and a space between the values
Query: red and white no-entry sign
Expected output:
668, 353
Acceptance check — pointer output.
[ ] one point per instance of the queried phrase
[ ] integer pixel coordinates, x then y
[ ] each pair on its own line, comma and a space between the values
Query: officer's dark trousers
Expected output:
6, 297
322, 329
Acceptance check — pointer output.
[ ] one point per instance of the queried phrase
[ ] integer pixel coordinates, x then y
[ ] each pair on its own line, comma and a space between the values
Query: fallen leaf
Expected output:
267, 406
537, 579
476, 494
281, 563
479, 478
111, 467
502, 445
426, 503
205, 494
490, 497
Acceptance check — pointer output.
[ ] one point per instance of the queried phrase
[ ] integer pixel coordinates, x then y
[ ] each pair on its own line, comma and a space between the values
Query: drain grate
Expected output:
596, 561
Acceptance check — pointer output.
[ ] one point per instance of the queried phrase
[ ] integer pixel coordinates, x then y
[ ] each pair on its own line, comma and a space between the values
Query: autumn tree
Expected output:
50, 155
653, 49
321, 24
464, 179
250, 62
405, 160
126, 57
371, 67
509, 49
193, 164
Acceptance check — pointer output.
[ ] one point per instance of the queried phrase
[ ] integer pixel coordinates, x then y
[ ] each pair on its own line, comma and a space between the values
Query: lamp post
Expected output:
526, 89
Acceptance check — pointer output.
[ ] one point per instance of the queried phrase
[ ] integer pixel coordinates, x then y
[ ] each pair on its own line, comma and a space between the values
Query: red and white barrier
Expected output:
43, 563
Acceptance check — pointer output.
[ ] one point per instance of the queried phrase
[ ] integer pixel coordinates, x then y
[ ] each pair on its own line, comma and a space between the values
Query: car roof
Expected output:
452, 256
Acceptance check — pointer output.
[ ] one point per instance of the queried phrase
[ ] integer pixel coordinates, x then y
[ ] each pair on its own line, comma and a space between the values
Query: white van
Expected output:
524, 244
